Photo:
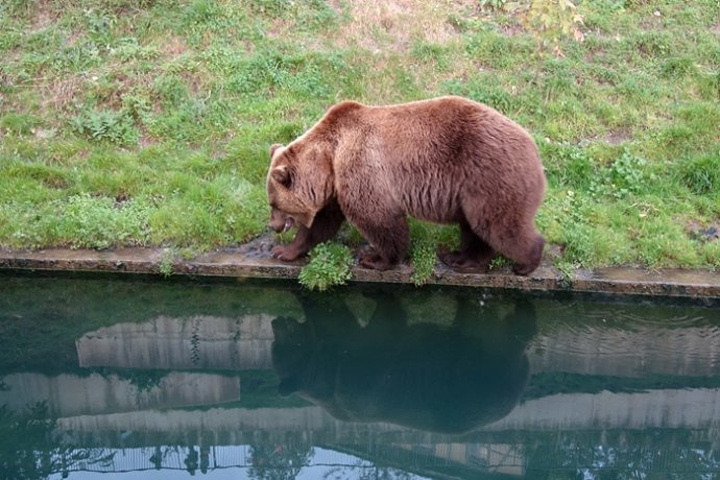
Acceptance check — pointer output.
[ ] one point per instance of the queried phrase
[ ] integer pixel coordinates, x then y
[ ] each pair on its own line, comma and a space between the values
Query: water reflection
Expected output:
443, 378
31, 447
142, 380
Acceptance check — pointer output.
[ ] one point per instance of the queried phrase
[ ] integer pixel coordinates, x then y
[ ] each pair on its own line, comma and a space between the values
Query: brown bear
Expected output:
444, 160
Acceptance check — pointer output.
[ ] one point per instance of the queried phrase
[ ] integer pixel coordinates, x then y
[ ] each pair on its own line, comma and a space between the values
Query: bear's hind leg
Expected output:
531, 258
521, 244
474, 254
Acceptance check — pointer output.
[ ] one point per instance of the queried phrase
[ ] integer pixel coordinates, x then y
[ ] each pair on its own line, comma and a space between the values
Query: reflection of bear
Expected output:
445, 160
423, 376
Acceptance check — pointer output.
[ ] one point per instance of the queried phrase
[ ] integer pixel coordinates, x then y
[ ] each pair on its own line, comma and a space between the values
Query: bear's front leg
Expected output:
326, 224
389, 243
366, 202
299, 246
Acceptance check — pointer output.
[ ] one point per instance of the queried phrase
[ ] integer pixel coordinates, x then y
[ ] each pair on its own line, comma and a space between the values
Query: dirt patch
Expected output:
386, 26
42, 21
174, 47
60, 91
554, 251
616, 137
512, 30
55, 183
703, 232
379, 25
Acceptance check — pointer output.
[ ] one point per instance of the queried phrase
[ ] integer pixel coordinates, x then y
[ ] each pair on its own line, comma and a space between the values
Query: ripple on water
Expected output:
627, 340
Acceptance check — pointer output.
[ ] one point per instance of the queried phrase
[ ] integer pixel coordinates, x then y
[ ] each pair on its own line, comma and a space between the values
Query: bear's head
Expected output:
300, 183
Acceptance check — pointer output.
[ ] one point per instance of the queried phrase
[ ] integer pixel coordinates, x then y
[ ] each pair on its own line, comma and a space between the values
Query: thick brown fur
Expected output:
445, 160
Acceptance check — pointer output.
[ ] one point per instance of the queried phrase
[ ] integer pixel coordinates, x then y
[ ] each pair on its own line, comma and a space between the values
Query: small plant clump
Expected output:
114, 127
329, 266
550, 21
167, 259
423, 260
423, 253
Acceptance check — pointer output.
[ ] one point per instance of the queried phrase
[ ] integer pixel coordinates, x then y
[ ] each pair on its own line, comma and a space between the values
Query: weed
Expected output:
100, 222
575, 168
701, 174
19, 123
568, 165
167, 259
427, 239
567, 270
329, 266
625, 176
423, 259
550, 21
112, 126
651, 44
492, 4
498, 263
677, 67
577, 233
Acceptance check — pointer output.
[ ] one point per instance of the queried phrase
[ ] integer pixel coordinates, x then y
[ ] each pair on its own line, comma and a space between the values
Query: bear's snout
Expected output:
280, 223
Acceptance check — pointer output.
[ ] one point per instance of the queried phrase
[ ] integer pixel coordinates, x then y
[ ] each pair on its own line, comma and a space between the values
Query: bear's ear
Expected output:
273, 148
281, 175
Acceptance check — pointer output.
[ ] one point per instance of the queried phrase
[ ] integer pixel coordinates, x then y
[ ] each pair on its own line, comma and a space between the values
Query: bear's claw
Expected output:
285, 253
374, 261
464, 263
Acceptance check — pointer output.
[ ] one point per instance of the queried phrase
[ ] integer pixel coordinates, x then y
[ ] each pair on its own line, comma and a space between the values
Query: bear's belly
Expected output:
428, 193
432, 209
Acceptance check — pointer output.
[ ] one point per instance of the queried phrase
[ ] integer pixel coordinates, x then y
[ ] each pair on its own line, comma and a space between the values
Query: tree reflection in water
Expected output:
31, 450
279, 461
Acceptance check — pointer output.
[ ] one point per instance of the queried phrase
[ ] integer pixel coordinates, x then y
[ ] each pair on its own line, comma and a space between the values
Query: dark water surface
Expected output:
131, 379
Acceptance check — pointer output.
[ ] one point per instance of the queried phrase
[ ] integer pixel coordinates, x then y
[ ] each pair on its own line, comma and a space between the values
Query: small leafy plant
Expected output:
112, 126
329, 266
492, 4
550, 21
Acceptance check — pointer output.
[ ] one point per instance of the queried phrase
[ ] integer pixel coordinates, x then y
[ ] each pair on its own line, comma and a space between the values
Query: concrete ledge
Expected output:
254, 261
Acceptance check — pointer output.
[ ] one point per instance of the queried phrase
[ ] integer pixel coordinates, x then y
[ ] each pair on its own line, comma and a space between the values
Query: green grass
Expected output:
148, 123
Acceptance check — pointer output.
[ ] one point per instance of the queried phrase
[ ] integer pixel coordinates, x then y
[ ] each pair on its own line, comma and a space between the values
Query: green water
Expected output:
134, 379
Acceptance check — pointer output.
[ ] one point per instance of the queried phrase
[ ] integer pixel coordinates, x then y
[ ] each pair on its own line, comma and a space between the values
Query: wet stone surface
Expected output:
253, 260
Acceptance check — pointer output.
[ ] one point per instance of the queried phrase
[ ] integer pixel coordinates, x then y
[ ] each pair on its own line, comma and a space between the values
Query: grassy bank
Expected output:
148, 123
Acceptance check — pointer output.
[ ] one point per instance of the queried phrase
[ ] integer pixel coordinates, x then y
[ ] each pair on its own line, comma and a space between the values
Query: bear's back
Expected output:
425, 154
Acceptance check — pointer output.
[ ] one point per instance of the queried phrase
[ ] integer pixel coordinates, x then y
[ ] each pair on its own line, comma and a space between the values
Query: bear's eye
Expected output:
282, 175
